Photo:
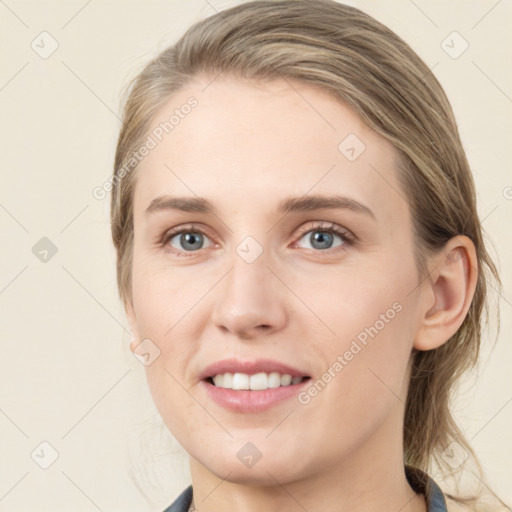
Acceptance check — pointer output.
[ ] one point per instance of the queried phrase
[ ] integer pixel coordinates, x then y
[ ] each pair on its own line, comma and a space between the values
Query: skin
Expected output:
246, 147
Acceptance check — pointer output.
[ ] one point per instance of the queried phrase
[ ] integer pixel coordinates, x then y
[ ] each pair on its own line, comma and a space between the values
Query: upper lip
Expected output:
250, 367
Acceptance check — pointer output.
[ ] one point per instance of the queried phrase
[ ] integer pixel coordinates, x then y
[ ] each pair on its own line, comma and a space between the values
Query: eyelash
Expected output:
348, 238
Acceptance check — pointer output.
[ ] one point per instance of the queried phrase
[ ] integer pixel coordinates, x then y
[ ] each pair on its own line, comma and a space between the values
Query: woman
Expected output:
300, 259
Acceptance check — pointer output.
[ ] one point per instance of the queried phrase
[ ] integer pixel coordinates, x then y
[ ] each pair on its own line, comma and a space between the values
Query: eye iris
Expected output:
320, 236
190, 237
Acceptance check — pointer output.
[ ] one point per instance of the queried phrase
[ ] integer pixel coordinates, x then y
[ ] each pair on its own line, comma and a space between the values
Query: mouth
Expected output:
255, 382
252, 386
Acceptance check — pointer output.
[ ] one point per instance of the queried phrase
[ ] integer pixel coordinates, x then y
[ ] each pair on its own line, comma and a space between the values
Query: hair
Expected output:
360, 61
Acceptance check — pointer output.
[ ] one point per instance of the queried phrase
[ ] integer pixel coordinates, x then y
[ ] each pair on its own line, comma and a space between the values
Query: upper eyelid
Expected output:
338, 230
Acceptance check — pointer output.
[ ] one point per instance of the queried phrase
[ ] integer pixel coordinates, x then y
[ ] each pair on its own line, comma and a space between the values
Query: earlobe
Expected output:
451, 286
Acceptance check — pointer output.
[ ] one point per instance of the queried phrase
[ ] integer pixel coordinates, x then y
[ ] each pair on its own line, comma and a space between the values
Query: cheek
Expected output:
162, 296
170, 307
366, 388
166, 318
373, 319
365, 302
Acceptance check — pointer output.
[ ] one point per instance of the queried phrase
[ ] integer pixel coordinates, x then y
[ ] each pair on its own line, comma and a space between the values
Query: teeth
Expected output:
256, 382
240, 381
227, 380
286, 380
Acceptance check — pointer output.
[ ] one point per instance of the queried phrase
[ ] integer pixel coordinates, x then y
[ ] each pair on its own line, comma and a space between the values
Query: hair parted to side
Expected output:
363, 63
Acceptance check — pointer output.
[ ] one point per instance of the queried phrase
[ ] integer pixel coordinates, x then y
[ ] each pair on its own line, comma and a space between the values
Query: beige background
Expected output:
67, 375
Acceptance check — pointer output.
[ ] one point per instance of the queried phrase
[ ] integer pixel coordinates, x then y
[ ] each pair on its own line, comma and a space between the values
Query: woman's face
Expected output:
301, 264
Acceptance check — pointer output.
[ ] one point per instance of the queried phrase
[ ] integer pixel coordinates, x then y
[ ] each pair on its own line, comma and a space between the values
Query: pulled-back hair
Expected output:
366, 65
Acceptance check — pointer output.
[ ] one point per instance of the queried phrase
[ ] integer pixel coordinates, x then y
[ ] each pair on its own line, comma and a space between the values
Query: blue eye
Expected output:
323, 239
190, 239
187, 240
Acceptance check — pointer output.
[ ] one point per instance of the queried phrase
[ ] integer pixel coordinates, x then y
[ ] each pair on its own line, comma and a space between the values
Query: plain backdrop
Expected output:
72, 396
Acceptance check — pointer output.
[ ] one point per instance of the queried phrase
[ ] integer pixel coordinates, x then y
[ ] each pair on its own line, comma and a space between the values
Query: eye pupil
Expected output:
190, 237
320, 236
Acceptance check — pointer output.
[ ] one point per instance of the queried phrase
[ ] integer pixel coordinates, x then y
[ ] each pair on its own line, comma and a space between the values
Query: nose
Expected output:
250, 300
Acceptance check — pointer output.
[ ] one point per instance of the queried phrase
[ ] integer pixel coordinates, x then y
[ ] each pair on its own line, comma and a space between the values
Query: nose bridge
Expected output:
247, 299
248, 278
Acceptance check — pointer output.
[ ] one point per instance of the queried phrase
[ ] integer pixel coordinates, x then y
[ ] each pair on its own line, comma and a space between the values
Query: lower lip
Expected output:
251, 401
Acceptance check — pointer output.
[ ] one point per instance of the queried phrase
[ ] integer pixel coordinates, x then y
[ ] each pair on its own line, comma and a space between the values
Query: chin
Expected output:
246, 466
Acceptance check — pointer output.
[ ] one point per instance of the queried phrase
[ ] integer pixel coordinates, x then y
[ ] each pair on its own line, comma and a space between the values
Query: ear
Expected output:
446, 293
132, 321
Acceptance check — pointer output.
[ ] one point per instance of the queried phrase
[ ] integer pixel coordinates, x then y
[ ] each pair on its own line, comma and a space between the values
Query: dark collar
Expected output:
182, 502
418, 480
423, 484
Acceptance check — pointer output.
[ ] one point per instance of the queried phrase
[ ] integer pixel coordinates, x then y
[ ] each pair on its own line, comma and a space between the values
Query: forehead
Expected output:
245, 142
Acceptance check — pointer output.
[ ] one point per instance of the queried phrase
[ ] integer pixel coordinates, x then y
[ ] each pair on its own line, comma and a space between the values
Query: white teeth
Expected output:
256, 382
286, 380
240, 381
274, 380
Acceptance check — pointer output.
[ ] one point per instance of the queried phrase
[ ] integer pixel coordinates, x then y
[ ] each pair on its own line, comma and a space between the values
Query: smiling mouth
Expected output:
254, 382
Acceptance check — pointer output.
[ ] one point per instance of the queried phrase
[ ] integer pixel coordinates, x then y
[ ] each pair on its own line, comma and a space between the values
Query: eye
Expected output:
187, 239
321, 238
190, 239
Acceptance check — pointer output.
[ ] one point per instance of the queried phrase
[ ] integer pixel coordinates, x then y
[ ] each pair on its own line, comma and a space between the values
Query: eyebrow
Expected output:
292, 204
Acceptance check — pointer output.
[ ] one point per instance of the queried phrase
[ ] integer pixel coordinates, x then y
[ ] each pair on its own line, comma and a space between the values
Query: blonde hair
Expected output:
363, 63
